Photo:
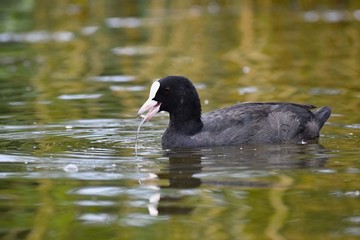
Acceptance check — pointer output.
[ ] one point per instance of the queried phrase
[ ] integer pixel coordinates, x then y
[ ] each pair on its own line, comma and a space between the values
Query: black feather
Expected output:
245, 123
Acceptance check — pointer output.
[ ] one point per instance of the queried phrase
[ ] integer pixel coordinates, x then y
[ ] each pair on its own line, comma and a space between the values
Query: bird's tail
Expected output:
322, 115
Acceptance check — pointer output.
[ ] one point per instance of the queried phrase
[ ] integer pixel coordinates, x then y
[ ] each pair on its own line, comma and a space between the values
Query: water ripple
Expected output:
79, 96
113, 78
331, 16
117, 22
133, 50
37, 36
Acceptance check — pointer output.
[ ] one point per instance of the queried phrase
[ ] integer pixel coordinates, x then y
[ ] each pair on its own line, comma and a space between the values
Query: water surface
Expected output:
73, 75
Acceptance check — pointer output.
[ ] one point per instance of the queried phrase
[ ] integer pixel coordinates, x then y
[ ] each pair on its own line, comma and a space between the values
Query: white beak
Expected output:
150, 105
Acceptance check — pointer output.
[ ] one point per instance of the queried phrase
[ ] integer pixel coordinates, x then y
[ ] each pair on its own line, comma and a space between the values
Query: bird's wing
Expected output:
254, 122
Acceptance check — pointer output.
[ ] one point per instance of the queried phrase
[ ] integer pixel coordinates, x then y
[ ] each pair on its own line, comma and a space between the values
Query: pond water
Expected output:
74, 73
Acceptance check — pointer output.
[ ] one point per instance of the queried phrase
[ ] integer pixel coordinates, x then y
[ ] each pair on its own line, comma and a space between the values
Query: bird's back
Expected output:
261, 123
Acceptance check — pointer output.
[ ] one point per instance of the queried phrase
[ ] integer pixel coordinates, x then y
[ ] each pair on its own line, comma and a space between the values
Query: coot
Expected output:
244, 123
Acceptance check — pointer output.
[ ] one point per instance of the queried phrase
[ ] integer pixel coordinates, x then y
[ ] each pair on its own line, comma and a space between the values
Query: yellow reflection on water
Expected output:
235, 51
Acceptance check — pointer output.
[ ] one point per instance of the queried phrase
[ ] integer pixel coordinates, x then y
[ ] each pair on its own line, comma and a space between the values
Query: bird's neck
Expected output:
188, 123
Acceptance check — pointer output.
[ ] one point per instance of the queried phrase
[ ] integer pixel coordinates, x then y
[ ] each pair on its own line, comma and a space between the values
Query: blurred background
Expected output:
73, 74
59, 55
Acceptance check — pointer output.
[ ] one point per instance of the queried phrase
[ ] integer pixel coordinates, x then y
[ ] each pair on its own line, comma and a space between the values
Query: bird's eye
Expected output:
167, 90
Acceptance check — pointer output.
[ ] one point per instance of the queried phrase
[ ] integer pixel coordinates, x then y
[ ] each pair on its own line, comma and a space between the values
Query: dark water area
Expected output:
73, 75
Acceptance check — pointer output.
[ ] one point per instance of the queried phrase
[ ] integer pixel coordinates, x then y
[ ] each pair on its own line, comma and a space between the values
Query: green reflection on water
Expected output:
235, 51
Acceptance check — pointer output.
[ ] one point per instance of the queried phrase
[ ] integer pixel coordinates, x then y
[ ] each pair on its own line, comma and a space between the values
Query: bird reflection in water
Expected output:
188, 169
